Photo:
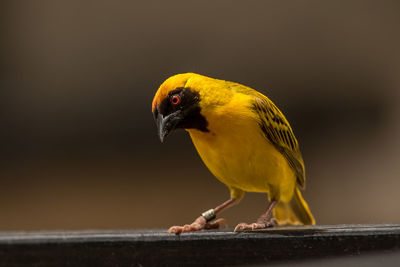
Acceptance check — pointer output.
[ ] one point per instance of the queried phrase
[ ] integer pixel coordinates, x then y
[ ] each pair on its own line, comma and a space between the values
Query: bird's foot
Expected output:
199, 224
253, 226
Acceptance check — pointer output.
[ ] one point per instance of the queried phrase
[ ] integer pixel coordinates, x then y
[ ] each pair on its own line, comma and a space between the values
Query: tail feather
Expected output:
295, 212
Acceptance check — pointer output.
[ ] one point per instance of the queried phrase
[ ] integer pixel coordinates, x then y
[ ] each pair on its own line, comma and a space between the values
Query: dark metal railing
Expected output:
157, 248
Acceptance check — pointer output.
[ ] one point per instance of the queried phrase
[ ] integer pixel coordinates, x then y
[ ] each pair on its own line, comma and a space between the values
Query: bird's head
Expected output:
177, 105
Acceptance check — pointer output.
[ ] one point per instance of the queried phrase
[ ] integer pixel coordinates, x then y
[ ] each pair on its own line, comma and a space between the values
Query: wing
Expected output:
278, 131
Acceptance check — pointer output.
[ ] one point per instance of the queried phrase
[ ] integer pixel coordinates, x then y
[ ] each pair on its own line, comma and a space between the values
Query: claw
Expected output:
239, 227
175, 229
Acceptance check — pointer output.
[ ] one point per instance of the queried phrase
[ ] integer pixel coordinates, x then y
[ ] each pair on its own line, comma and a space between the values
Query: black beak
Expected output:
166, 124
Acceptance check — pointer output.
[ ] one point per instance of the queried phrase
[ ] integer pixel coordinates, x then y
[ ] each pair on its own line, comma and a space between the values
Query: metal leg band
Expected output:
209, 215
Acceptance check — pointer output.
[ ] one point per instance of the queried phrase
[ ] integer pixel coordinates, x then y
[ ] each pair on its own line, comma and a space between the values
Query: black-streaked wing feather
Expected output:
278, 131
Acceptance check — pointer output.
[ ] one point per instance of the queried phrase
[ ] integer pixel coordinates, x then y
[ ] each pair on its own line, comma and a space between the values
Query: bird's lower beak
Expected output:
167, 124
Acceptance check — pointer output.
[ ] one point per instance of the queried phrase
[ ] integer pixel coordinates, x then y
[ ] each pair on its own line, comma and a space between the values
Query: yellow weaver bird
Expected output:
243, 139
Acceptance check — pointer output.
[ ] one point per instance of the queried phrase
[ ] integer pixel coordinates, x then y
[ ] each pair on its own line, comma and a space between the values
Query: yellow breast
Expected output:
236, 151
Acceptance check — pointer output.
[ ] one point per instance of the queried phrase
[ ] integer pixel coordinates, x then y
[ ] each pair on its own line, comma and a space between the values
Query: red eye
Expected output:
175, 99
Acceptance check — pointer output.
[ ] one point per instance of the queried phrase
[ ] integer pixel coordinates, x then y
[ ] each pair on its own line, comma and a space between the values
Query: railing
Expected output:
291, 245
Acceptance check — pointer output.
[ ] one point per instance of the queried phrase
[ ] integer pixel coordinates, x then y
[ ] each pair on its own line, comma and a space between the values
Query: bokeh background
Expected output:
78, 144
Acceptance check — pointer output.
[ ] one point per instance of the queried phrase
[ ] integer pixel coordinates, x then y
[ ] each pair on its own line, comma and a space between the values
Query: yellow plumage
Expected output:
250, 146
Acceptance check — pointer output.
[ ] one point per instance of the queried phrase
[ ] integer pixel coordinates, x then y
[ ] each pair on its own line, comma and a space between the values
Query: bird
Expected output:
244, 140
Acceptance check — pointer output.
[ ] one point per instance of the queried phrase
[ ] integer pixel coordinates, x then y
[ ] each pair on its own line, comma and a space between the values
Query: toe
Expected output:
171, 230
255, 226
215, 224
175, 229
186, 228
195, 227
240, 227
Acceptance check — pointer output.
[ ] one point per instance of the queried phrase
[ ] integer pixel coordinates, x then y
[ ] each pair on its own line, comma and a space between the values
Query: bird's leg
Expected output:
264, 221
205, 221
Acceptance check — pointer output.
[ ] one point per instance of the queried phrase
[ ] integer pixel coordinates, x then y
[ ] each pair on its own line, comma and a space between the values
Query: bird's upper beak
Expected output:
168, 123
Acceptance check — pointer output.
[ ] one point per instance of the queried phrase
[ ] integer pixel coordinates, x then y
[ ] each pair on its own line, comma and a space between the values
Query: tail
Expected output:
294, 212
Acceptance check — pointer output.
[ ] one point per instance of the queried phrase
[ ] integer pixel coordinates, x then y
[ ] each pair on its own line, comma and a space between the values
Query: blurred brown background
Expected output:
78, 143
